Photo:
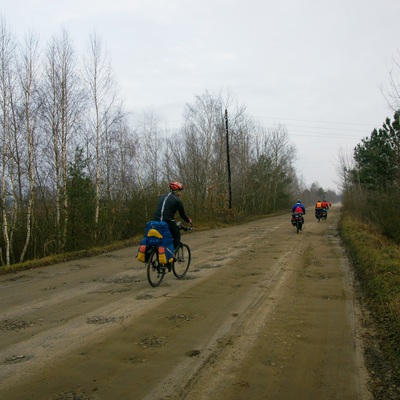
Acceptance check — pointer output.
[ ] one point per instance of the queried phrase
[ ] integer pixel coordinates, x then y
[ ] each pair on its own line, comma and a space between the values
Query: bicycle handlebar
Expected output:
185, 228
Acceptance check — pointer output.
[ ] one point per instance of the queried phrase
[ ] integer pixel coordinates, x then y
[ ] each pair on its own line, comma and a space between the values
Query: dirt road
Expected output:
264, 313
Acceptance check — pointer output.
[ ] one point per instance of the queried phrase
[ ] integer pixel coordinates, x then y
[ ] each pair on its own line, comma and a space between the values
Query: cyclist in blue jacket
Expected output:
299, 208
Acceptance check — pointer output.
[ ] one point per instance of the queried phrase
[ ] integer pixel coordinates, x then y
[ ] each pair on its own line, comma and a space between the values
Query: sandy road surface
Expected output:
263, 314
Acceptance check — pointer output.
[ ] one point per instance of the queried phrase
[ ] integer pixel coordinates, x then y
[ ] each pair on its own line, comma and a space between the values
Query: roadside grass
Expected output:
377, 267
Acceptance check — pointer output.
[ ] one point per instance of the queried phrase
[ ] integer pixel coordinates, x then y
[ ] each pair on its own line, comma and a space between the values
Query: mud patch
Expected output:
250, 274
15, 278
134, 359
243, 384
314, 261
153, 341
144, 296
182, 317
75, 394
48, 288
213, 265
188, 277
16, 359
192, 353
14, 325
125, 279
122, 290
316, 276
100, 320
81, 266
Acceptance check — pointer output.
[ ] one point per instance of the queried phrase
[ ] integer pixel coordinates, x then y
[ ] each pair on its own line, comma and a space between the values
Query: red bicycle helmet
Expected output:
176, 186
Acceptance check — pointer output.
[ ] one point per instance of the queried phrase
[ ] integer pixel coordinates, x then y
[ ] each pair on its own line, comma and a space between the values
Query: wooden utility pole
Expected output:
228, 160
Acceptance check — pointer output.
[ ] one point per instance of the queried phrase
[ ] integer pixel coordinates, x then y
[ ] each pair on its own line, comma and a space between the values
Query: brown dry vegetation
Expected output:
376, 261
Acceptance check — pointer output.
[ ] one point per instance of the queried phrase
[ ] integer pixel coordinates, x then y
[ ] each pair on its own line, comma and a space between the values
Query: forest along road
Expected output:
264, 313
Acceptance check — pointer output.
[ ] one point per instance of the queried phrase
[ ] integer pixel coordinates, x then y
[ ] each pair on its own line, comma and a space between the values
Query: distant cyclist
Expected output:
318, 205
168, 205
299, 208
325, 205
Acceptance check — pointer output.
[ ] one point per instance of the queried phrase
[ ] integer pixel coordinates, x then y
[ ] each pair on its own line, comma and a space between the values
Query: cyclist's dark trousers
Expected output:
175, 233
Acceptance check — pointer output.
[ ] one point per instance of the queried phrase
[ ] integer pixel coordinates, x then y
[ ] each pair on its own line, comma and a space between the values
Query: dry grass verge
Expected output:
377, 266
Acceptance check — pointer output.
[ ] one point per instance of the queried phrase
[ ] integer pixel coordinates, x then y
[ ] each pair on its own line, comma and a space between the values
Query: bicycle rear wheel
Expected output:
155, 270
181, 265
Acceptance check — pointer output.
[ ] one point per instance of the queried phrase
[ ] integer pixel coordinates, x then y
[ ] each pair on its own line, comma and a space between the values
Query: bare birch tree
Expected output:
199, 156
103, 114
241, 128
29, 83
7, 49
125, 170
153, 148
282, 156
62, 103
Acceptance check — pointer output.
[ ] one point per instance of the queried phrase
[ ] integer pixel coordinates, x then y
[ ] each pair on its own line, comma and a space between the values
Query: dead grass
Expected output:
376, 260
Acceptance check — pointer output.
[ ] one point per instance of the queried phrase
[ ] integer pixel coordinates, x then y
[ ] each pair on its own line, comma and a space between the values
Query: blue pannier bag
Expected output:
157, 234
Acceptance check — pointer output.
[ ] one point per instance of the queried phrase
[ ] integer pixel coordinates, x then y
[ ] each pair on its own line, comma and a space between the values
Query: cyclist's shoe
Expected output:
169, 266
161, 268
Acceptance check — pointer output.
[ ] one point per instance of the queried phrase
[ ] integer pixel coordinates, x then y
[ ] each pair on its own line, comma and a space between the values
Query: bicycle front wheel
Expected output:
181, 265
155, 270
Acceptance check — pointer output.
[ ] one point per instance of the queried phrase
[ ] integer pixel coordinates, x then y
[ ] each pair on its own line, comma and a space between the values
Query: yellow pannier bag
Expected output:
141, 256
154, 233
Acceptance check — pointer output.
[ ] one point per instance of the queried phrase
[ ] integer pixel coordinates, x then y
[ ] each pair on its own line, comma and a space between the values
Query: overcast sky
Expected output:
315, 66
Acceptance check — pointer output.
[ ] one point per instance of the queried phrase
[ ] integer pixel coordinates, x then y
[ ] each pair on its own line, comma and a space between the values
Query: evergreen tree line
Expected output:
371, 179
76, 172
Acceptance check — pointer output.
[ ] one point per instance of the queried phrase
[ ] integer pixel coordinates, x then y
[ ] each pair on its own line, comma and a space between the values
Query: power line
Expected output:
323, 127
296, 120
314, 121
324, 136
334, 132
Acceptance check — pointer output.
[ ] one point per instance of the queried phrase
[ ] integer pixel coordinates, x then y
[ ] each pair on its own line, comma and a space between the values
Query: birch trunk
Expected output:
28, 76
6, 51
